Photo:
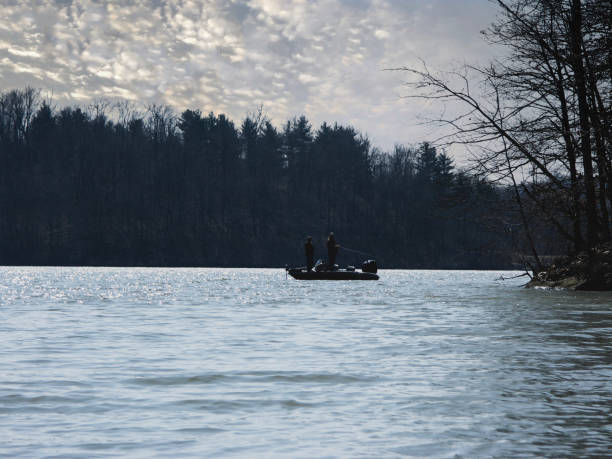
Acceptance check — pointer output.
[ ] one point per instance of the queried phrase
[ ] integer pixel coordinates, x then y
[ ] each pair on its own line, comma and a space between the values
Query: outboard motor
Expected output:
369, 266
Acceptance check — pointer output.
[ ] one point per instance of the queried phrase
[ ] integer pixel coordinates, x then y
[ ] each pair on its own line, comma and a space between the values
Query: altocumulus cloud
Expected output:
321, 58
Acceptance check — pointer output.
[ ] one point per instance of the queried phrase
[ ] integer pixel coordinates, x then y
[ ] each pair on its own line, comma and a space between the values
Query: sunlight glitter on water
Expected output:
146, 362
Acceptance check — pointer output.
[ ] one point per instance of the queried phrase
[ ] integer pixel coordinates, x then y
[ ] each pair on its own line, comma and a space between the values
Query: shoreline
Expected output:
588, 270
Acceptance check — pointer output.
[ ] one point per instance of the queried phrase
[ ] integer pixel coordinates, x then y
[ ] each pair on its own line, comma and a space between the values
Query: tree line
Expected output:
112, 185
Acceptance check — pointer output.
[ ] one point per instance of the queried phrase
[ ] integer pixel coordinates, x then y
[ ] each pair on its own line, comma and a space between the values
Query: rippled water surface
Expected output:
131, 362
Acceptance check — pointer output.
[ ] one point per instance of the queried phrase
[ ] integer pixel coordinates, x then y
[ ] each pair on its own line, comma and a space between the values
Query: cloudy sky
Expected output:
321, 58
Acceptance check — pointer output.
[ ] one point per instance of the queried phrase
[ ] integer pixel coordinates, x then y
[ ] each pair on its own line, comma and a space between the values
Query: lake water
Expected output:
98, 362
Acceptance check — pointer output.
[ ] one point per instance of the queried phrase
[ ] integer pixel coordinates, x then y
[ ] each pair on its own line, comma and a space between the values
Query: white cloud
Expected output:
23, 52
382, 34
306, 78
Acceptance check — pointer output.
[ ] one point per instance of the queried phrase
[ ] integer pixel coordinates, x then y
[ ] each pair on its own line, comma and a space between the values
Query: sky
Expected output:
324, 59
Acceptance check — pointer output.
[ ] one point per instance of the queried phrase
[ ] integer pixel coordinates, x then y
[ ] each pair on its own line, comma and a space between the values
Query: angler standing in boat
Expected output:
332, 250
309, 250
331, 271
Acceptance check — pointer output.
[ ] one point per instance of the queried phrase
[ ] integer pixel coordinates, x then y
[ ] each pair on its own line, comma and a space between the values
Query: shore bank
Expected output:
589, 270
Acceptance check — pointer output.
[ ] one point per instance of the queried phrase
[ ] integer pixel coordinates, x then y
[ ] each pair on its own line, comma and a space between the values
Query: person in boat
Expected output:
309, 251
332, 250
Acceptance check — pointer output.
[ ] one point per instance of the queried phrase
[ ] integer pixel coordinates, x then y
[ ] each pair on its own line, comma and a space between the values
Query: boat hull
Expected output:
339, 274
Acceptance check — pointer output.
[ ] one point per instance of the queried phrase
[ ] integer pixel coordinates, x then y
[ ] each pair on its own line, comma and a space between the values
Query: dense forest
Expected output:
108, 185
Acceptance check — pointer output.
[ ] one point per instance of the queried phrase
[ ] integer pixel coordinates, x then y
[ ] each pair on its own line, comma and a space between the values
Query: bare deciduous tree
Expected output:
539, 118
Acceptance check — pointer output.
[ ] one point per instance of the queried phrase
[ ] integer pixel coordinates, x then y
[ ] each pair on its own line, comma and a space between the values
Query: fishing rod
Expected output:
357, 251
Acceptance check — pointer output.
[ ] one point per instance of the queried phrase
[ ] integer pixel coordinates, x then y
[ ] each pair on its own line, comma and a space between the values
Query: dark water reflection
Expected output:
243, 363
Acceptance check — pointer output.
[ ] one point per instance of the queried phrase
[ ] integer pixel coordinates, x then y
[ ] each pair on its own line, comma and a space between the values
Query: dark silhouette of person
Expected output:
309, 251
332, 250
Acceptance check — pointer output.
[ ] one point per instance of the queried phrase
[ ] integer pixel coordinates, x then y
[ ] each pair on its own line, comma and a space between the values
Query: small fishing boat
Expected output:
320, 272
